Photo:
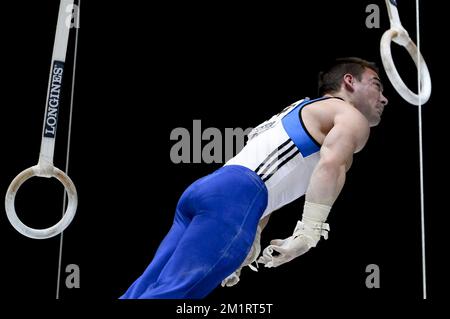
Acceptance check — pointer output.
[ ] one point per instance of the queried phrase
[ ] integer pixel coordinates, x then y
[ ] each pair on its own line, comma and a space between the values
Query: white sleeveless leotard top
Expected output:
283, 154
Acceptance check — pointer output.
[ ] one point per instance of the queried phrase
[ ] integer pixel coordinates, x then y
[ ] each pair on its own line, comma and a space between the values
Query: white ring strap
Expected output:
45, 167
399, 35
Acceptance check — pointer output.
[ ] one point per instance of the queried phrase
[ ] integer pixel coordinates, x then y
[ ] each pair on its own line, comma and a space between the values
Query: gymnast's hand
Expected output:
281, 251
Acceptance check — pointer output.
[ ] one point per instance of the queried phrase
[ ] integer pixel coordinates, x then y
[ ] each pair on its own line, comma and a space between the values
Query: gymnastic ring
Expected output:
402, 38
47, 232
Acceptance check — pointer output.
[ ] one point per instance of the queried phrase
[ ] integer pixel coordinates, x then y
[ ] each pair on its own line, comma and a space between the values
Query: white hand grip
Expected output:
401, 37
47, 232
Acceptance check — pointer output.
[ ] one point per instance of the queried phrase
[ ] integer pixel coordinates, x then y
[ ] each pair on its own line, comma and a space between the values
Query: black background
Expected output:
145, 69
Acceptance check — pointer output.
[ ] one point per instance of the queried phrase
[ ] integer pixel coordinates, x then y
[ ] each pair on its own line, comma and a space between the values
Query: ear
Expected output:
349, 81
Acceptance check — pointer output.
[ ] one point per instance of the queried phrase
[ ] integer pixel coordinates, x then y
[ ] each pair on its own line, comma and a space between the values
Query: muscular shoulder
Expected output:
353, 122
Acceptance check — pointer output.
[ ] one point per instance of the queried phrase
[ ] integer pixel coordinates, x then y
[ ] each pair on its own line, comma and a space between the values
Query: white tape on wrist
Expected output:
313, 222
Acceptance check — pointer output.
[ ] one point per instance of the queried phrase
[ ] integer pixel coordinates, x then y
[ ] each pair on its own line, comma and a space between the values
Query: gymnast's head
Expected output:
357, 82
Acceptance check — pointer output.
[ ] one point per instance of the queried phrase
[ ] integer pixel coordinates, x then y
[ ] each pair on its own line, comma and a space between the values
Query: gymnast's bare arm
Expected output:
348, 135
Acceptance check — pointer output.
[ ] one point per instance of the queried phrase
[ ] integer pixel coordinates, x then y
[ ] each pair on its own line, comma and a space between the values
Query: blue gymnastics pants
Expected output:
212, 232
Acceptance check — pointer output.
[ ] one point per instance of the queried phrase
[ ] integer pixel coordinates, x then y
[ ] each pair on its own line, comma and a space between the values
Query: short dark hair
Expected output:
331, 78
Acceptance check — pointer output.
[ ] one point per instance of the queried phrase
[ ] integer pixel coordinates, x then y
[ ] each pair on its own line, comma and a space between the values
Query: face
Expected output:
368, 96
